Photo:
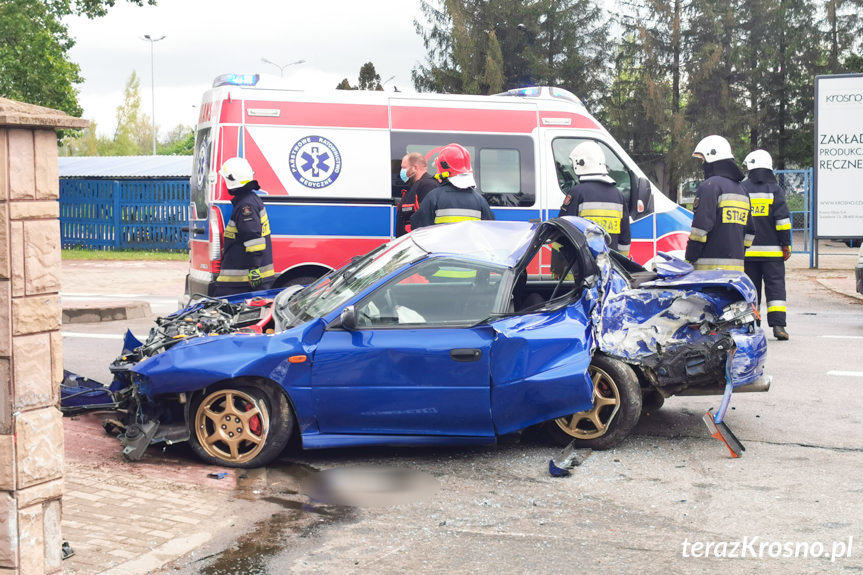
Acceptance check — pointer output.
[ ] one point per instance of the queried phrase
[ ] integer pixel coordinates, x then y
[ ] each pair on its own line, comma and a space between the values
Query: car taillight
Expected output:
217, 232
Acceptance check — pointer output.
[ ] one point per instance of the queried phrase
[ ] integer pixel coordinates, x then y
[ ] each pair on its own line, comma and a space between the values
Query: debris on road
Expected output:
570, 457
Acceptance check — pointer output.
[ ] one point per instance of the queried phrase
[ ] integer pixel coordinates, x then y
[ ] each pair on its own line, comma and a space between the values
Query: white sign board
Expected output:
839, 156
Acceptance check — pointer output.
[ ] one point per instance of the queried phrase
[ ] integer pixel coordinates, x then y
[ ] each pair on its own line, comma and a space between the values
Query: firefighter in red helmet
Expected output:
456, 199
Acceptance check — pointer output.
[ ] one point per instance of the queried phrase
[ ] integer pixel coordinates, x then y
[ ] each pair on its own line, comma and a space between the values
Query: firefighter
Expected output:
456, 199
596, 197
721, 223
247, 258
415, 174
765, 259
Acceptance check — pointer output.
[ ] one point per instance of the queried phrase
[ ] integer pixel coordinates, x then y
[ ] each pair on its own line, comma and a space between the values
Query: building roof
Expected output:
125, 166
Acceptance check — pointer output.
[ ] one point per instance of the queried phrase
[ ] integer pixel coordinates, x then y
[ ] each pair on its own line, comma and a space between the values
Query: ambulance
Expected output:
328, 165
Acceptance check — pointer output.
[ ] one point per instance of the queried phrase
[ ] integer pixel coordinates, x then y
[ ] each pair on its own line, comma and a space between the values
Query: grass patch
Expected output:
81, 254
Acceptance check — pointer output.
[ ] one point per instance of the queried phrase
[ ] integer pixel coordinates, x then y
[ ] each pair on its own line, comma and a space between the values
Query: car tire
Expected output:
240, 424
617, 407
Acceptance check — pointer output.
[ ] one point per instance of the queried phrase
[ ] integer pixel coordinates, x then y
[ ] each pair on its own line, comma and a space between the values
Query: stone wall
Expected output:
31, 363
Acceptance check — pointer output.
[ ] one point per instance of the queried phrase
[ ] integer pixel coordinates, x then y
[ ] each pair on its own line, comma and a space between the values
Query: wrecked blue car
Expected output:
442, 337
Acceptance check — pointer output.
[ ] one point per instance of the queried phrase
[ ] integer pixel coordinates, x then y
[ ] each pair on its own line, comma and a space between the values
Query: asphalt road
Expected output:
669, 499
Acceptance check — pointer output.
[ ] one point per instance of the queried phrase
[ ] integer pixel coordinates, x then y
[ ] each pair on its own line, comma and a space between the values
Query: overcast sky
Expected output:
205, 38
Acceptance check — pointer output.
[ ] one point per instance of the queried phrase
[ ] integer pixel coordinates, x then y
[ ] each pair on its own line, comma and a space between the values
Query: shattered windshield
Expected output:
337, 288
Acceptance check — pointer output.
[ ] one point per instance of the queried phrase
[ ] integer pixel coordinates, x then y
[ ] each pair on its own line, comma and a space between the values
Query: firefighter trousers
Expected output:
770, 273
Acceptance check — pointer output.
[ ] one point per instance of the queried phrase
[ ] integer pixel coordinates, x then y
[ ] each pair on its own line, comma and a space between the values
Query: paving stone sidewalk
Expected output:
124, 518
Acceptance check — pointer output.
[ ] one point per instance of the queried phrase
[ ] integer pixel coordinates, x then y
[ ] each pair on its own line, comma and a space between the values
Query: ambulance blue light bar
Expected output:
523, 92
543, 91
236, 80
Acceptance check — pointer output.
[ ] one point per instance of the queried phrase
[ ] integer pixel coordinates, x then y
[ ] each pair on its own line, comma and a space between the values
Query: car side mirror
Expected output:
349, 318
642, 200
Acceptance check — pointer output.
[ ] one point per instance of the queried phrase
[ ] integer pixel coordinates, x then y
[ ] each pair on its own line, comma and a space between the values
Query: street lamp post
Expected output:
282, 68
152, 41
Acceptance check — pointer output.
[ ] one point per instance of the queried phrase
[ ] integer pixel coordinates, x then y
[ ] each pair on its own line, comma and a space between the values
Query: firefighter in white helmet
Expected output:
596, 197
247, 258
765, 259
721, 223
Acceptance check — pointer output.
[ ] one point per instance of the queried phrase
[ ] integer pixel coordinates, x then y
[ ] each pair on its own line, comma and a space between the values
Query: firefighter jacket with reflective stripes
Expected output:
603, 204
447, 204
770, 215
248, 244
411, 201
721, 225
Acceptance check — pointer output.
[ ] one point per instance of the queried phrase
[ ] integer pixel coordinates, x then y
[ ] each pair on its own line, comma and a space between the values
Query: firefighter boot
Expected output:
780, 333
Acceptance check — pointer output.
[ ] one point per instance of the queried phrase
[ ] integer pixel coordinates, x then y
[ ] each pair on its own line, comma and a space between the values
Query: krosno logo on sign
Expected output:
846, 98
315, 162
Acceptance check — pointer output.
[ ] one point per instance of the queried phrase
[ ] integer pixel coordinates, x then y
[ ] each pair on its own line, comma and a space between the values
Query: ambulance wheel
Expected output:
616, 408
240, 424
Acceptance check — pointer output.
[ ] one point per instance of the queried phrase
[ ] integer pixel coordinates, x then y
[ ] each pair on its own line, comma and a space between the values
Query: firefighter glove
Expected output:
255, 277
786, 252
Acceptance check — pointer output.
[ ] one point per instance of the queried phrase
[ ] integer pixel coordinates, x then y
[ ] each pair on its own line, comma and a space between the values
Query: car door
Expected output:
416, 364
539, 359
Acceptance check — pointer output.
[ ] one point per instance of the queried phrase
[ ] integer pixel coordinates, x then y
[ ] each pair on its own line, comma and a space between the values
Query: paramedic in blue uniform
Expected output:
765, 259
415, 174
721, 223
456, 199
596, 197
247, 258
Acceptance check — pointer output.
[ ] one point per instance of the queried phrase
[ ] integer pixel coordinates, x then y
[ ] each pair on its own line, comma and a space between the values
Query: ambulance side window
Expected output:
503, 166
566, 177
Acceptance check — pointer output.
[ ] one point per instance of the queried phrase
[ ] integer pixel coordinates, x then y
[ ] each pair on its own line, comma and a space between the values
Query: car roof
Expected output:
497, 242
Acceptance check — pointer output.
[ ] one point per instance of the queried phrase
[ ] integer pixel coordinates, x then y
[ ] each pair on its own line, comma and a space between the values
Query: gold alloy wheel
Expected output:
231, 425
594, 422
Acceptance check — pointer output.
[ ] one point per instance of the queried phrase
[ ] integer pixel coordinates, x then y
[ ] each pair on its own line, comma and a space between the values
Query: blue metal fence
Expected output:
124, 214
798, 193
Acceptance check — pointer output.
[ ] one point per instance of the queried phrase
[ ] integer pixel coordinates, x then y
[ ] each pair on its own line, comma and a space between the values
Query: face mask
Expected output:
404, 175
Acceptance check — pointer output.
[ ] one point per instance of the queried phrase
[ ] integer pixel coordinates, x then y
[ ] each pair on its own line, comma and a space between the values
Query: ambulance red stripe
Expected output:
319, 114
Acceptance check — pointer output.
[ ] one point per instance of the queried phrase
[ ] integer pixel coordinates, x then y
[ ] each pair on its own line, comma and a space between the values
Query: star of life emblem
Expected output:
315, 162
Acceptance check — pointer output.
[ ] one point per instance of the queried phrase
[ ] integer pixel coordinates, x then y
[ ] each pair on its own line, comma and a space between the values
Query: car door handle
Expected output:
465, 354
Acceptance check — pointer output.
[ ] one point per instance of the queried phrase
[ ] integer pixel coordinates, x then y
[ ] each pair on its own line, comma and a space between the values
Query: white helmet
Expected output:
237, 173
588, 159
758, 159
712, 149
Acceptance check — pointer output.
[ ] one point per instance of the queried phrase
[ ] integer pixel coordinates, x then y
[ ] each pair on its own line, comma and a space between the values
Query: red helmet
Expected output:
453, 162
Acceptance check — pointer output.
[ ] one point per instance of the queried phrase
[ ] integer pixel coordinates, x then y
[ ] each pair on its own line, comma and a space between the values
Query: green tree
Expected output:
553, 42
712, 65
179, 142
133, 135
369, 79
788, 68
645, 111
34, 50
34, 67
843, 28
574, 48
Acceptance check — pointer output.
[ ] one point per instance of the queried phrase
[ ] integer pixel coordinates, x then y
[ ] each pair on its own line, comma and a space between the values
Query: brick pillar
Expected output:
31, 362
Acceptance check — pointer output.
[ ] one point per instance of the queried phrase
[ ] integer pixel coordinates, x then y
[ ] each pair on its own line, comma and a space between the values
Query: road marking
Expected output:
842, 336
92, 335
846, 373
